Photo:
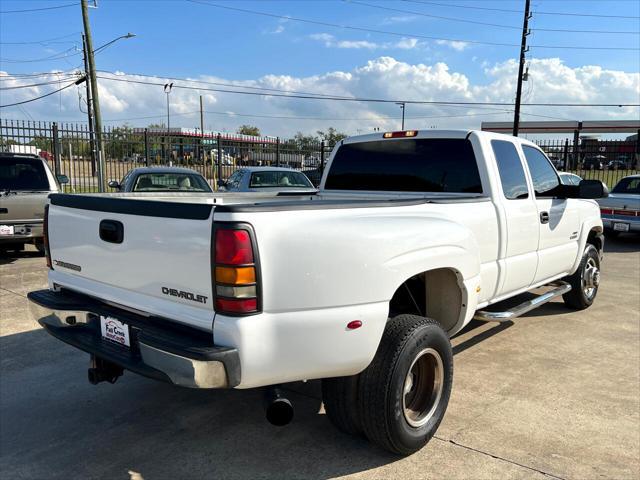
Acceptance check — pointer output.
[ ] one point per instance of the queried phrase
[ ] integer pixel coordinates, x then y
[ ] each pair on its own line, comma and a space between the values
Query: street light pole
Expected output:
167, 90
402, 105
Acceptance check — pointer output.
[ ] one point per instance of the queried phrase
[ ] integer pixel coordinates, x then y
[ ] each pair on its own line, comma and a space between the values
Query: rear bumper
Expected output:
633, 222
24, 232
159, 349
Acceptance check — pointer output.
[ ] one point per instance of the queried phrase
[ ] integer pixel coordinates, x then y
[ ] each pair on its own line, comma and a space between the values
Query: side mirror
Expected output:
62, 179
114, 184
221, 183
592, 189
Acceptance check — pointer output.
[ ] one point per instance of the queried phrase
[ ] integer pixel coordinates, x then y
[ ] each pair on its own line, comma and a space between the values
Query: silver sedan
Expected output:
621, 209
267, 179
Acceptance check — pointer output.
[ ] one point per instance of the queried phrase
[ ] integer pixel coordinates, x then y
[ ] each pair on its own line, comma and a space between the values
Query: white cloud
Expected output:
551, 80
455, 44
330, 41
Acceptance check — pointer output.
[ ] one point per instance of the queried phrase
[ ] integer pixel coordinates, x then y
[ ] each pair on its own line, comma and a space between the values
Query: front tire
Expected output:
585, 281
403, 394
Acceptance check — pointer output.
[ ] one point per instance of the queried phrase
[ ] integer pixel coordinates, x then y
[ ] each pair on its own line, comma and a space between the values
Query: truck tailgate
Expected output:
150, 256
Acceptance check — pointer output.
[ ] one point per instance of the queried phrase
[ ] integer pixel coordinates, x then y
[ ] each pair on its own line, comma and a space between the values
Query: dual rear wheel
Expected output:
399, 400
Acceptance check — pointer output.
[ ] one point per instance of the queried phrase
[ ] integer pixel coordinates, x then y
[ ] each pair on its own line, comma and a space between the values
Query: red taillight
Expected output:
226, 305
606, 211
45, 236
233, 247
235, 274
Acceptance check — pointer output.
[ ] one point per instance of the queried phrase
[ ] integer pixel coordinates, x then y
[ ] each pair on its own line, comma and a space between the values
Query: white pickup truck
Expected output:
411, 235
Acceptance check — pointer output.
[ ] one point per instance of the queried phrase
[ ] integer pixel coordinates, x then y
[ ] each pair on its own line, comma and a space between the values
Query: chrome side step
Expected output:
560, 289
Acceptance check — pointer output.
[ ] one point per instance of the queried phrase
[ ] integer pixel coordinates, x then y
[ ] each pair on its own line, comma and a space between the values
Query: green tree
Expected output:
248, 130
331, 136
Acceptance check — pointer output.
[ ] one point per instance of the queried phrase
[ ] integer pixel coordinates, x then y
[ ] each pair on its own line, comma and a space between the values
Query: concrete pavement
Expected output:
555, 394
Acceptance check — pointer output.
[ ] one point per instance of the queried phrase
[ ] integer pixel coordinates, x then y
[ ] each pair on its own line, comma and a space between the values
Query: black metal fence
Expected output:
591, 158
70, 151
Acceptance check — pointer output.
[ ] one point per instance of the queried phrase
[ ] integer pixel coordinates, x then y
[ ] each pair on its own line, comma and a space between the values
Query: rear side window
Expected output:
23, 174
545, 179
407, 165
280, 179
514, 182
628, 185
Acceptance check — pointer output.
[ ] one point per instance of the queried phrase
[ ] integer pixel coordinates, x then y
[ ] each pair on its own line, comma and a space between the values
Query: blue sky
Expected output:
186, 39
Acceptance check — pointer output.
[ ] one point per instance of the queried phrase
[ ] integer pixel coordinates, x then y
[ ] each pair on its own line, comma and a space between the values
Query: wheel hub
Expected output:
423, 387
590, 278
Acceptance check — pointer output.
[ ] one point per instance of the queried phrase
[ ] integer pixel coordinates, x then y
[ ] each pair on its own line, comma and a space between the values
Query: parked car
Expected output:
595, 162
410, 237
616, 165
621, 209
569, 178
265, 179
161, 179
25, 183
557, 162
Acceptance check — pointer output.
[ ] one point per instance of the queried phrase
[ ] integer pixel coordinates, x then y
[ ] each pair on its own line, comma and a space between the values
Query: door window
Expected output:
514, 182
544, 177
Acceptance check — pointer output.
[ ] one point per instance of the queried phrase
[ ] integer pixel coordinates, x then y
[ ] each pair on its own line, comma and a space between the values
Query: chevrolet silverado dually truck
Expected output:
411, 235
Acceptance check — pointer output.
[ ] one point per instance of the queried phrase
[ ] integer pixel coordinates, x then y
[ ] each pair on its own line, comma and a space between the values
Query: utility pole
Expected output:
523, 50
94, 92
92, 139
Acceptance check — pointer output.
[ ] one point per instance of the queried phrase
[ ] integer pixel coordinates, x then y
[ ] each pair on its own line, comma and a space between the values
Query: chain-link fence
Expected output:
70, 151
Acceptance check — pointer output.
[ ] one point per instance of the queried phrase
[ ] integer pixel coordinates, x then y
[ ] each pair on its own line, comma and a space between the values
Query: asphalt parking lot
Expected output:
555, 394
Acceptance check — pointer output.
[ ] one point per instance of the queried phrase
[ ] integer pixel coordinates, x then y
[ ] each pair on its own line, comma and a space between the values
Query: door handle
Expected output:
544, 217
111, 231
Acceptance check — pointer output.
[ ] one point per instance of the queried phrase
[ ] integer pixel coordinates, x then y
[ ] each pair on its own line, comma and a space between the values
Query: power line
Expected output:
404, 35
2, 12
38, 98
43, 42
370, 100
536, 12
497, 25
15, 76
233, 85
163, 78
55, 56
17, 87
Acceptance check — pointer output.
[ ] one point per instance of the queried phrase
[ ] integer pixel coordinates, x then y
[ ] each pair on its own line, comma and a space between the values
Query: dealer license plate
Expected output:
115, 330
6, 229
621, 227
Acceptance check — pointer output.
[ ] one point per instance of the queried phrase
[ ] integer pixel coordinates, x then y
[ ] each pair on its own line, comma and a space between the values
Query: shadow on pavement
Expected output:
55, 424
7, 258
624, 243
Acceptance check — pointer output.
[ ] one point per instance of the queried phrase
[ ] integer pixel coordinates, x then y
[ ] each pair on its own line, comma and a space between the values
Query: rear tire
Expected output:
585, 281
340, 398
403, 394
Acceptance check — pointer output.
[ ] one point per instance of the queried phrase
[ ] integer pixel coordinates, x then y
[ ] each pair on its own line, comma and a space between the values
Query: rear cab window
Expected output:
512, 177
27, 174
406, 165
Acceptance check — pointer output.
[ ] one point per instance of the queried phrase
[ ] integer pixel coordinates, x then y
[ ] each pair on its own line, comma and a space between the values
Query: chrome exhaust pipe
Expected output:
278, 409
